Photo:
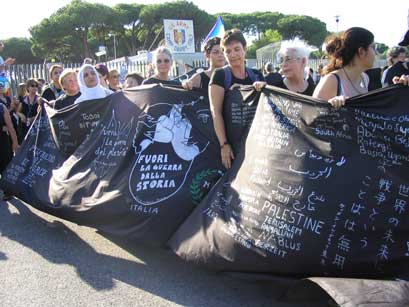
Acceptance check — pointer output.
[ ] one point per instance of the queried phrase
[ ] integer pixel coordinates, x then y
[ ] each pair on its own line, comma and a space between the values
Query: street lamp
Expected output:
114, 35
337, 20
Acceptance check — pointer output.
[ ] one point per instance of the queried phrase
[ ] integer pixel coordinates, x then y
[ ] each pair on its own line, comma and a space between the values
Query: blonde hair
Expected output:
65, 73
162, 50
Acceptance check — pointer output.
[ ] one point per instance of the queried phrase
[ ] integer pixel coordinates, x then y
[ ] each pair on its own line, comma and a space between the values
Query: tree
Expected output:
20, 49
308, 28
152, 17
252, 23
271, 36
127, 24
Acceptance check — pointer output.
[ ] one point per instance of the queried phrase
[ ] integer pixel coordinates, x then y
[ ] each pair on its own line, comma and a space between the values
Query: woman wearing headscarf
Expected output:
214, 55
293, 57
163, 61
90, 87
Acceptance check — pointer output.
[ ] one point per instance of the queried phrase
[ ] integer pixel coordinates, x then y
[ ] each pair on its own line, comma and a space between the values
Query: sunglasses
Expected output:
159, 61
33, 85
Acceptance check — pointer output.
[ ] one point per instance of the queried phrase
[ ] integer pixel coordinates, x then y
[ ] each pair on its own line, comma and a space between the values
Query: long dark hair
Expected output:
344, 47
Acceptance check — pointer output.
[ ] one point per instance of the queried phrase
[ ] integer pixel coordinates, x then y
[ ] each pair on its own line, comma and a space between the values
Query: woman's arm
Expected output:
216, 96
192, 82
11, 130
327, 90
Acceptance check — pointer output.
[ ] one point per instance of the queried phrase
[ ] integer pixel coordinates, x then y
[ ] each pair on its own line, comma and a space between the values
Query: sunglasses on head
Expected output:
159, 61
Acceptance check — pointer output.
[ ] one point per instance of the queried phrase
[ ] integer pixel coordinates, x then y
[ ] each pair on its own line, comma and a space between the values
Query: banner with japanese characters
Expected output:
315, 192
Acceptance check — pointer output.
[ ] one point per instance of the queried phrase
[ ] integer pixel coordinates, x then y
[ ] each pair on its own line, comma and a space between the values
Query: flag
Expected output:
405, 39
217, 30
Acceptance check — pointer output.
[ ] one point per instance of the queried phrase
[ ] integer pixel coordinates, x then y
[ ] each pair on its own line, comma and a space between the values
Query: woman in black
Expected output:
163, 61
233, 46
30, 104
8, 138
293, 59
214, 55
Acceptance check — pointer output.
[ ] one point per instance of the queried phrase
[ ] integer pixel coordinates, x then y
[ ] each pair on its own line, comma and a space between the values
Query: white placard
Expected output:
179, 35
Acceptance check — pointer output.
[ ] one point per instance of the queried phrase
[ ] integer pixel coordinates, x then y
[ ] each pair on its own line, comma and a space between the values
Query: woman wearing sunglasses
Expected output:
162, 61
30, 104
214, 55
113, 80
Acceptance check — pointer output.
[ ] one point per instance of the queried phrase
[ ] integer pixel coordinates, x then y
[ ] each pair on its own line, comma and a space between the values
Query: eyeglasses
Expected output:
286, 59
159, 61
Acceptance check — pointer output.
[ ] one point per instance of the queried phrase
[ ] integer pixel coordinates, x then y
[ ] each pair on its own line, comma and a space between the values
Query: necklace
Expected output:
350, 81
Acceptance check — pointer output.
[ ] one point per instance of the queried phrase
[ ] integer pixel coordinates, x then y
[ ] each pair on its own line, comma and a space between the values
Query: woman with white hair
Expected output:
90, 87
162, 63
293, 57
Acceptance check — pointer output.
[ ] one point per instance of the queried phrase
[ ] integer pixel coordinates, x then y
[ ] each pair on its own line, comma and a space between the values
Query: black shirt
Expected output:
308, 91
50, 92
65, 101
396, 70
273, 77
153, 80
204, 80
218, 77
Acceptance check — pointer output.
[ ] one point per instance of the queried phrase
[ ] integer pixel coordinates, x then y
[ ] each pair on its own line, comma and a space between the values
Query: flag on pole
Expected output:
217, 30
405, 39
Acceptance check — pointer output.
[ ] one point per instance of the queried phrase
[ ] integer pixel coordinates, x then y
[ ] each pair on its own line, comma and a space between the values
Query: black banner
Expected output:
315, 192
134, 164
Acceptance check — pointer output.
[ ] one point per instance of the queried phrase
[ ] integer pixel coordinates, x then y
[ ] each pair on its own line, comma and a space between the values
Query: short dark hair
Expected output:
102, 69
214, 41
233, 35
135, 76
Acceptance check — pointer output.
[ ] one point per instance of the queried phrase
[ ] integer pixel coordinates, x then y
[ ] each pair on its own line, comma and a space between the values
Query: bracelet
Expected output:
224, 144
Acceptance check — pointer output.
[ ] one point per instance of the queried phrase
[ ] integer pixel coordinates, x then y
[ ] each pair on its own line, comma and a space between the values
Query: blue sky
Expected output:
387, 22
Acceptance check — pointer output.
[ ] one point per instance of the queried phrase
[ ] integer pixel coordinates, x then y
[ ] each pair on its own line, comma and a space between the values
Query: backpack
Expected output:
228, 76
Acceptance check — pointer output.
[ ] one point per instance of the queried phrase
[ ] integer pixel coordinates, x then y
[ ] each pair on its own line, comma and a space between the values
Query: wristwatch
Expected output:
224, 144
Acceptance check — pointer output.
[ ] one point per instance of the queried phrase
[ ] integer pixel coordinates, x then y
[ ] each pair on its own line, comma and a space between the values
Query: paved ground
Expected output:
45, 261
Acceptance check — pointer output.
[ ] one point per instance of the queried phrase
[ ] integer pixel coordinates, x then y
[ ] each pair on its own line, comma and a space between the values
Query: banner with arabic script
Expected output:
315, 192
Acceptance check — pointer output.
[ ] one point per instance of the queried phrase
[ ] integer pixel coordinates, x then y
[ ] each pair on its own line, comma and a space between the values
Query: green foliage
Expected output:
308, 28
270, 36
76, 30
20, 49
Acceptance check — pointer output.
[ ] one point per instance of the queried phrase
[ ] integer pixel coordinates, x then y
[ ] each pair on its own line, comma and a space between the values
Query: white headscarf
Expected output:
90, 93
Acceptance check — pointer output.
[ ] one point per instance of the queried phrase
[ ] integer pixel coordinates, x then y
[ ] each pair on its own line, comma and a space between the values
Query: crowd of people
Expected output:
350, 53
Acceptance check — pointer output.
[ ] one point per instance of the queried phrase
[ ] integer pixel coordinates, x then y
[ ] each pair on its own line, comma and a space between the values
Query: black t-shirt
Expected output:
156, 81
49, 94
218, 77
308, 91
396, 70
273, 77
65, 101
29, 108
6, 100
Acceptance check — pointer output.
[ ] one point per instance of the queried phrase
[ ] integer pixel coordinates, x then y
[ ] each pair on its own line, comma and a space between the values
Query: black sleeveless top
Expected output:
204, 80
